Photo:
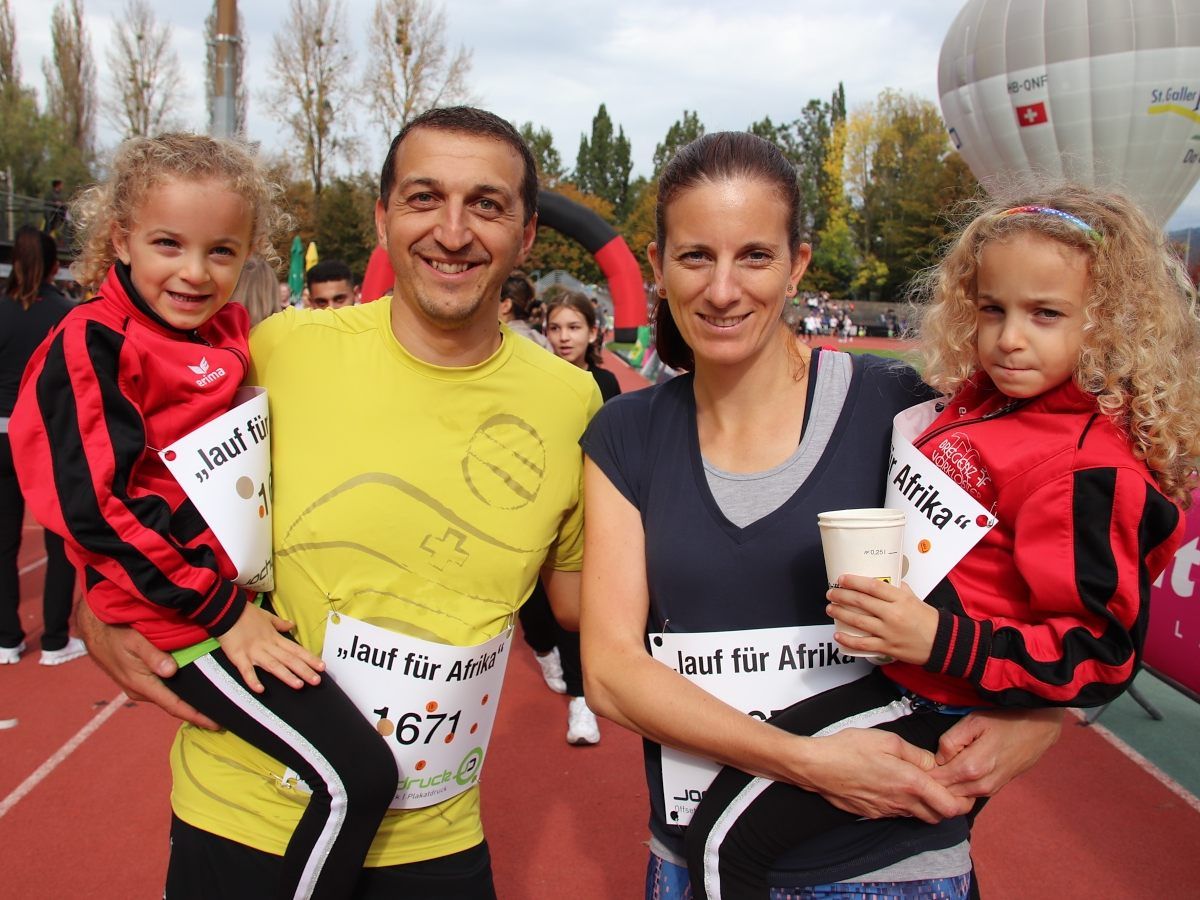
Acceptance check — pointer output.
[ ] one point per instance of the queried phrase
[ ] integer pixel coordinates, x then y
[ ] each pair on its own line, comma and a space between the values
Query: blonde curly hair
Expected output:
142, 163
1141, 335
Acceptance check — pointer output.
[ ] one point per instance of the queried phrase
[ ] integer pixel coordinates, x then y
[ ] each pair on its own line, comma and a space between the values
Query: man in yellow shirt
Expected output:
424, 502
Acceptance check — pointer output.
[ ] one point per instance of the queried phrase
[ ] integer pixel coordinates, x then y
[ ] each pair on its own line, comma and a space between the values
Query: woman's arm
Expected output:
988, 749
872, 773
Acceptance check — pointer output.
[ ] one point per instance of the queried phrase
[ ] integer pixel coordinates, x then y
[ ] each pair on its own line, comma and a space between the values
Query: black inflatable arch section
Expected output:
612, 254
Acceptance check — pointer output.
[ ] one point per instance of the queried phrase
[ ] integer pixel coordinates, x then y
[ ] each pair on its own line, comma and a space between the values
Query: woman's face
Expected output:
727, 268
569, 334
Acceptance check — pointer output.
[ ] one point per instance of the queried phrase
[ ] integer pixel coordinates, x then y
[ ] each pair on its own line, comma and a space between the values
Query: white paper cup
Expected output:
866, 542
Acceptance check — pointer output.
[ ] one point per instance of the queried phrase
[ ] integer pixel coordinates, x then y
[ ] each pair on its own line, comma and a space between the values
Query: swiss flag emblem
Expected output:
1033, 114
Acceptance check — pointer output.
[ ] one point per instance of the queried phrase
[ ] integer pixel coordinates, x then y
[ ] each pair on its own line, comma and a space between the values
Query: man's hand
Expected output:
137, 666
989, 748
896, 622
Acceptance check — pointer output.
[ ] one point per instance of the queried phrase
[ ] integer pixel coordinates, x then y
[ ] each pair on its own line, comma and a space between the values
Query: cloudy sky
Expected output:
553, 63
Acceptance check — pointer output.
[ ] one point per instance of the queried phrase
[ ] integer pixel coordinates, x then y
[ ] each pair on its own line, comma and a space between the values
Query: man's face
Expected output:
330, 295
454, 226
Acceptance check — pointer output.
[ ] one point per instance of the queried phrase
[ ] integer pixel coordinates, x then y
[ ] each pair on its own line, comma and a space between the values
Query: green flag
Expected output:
296, 268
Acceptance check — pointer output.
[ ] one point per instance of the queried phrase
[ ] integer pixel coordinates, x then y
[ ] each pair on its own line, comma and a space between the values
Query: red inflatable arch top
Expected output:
581, 224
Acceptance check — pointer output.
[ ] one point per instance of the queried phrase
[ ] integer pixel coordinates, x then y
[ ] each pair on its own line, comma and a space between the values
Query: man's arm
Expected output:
562, 589
137, 666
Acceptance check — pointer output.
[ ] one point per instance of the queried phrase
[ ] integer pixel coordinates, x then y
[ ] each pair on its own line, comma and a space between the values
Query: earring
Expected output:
789, 290
662, 292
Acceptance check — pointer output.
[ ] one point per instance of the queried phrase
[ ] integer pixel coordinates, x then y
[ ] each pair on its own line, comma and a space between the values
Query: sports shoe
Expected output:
10, 656
582, 727
73, 650
552, 671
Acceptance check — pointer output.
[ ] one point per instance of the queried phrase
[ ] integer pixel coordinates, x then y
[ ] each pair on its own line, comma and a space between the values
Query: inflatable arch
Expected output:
576, 221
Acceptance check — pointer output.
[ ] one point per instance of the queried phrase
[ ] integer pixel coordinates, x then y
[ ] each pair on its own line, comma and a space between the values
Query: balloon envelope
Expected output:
1104, 92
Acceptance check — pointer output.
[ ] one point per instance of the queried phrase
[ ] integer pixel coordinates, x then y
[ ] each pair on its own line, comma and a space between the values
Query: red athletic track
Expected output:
563, 822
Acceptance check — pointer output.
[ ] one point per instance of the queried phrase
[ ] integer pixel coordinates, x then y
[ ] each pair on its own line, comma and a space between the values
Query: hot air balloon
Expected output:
1104, 92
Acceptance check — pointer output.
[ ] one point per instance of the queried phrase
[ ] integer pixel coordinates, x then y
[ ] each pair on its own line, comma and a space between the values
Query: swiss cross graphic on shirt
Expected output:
1033, 114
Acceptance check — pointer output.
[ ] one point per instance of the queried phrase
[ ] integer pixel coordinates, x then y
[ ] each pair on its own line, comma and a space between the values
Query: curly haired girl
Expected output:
166, 237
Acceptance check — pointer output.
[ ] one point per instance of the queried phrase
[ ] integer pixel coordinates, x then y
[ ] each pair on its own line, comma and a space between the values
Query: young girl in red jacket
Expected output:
157, 353
1063, 333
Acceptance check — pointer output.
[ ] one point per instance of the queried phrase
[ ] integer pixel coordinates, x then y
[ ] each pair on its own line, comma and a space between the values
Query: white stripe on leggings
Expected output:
712, 846
245, 700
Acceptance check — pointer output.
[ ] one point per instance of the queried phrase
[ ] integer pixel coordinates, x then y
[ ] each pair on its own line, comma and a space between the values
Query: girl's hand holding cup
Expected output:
877, 618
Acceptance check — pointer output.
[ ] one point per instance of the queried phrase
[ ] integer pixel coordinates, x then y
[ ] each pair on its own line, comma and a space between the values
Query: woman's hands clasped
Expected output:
876, 774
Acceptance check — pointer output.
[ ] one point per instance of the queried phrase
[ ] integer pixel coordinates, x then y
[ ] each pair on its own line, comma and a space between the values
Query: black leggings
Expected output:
58, 595
319, 733
204, 865
744, 824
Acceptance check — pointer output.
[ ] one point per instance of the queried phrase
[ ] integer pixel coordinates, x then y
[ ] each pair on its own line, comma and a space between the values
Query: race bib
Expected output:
434, 704
759, 672
943, 522
225, 469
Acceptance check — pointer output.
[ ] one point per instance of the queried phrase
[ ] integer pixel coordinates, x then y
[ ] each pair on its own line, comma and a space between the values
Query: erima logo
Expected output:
206, 377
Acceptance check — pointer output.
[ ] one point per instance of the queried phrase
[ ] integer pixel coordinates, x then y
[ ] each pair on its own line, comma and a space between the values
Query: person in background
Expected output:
56, 208
285, 296
516, 298
330, 285
539, 628
602, 326
29, 310
571, 329
258, 290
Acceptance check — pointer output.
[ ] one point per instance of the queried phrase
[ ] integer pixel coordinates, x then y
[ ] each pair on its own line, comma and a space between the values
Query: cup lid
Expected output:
879, 515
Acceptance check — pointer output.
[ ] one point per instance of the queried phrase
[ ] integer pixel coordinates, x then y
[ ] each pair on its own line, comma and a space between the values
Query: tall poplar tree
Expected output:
604, 163
311, 84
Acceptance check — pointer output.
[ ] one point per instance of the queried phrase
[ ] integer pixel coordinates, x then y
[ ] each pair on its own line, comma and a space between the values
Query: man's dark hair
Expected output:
472, 121
328, 270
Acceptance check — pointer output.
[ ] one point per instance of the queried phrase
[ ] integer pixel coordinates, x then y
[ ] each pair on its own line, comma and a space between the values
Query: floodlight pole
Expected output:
228, 46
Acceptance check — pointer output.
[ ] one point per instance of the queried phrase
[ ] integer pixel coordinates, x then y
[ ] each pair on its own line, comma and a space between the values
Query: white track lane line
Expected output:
36, 564
1145, 765
61, 754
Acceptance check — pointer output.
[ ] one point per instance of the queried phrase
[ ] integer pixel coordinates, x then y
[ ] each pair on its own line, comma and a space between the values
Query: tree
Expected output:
23, 138
10, 69
682, 132
604, 163
310, 71
213, 77
71, 77
902, 174
549, 162
409, 67
345, 229
835, 259
144, 73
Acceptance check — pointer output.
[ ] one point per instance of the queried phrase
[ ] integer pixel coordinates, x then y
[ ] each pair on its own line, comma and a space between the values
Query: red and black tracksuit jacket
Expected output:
111, 384
1051, 607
